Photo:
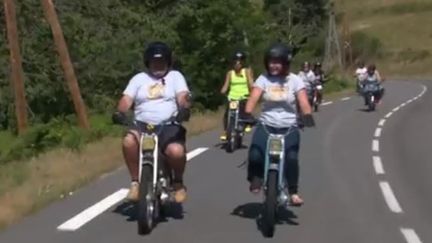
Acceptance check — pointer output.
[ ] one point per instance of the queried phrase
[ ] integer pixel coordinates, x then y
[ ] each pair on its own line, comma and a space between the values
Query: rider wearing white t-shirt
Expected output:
360, 75
307, 75
281, 92
161, 99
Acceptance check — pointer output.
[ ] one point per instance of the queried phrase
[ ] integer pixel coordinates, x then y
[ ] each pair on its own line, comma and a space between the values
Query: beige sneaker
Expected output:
179, 193
133, 194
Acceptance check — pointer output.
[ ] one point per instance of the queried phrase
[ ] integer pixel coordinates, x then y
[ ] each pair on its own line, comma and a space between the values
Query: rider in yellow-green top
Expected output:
238, 83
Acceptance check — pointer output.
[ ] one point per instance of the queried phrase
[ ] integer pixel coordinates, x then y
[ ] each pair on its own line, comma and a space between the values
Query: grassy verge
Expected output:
28, 185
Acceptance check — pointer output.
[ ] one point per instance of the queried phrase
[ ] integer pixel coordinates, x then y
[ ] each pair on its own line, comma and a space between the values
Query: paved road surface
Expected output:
364, 177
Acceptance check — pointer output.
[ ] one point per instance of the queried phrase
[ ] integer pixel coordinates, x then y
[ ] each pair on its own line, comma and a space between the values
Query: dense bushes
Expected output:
106, 39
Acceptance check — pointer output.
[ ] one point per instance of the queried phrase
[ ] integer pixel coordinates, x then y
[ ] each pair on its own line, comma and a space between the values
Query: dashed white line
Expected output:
327, 103
396, 109
379, 169
378, 132
410, 235
381, 122
390, 198
375, 145
389, 114
345, 98
403, 104
192, 154
93, 211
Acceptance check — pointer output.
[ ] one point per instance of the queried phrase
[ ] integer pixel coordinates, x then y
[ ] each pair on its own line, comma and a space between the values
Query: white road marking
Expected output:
379, 169
381, 122
375, 145
345, 98
390, 198
378, 132
327, 103
93, 211
410, 235
396, 109
389, 114
403, 104
192, 154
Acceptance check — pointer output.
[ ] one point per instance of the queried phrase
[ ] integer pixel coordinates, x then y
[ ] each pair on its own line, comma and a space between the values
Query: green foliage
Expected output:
56, 133
106, 40
365, 47
337, 83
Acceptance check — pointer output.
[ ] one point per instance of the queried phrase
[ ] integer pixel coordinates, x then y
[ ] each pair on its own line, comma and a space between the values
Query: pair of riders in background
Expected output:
313, 78
160, 97
369, 74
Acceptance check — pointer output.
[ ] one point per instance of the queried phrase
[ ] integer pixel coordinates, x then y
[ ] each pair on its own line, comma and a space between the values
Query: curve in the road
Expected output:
389, 196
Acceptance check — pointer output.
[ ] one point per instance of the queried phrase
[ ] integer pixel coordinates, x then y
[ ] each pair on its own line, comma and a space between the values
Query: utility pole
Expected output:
290, 26
346, 35
333, 53
17, 74
66, 63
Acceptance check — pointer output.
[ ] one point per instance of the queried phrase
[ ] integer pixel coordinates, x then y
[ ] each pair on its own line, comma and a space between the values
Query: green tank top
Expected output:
238, 88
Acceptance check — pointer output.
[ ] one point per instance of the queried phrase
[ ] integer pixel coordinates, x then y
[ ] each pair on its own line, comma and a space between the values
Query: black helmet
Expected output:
157, 50
278, 51
239, 55
317, 64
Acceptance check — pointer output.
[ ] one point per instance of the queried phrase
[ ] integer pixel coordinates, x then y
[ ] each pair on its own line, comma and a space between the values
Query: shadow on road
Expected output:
364, 110
130, 210
253, 211
222, 145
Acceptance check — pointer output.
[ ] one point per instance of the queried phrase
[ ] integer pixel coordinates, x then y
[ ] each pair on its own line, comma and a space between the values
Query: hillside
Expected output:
402, 27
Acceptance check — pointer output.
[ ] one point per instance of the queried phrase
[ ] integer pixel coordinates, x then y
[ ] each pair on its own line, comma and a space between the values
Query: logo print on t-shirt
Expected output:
277, 93
155, 91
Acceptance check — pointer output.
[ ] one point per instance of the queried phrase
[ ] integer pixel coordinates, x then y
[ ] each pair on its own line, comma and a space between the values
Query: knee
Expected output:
129, 141
175, 151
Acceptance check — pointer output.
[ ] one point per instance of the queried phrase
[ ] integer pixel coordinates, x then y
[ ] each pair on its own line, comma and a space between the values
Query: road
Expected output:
364, 178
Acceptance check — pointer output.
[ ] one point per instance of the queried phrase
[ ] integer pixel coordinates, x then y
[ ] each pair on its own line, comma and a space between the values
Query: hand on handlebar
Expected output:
308, 120
183, 115
119, 118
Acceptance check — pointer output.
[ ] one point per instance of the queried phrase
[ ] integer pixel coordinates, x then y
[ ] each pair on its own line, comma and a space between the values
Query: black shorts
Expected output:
167, 134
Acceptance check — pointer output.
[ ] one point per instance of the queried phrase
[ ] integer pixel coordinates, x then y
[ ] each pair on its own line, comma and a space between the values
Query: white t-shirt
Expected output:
361, 73
307, 77
155, 102
279, 106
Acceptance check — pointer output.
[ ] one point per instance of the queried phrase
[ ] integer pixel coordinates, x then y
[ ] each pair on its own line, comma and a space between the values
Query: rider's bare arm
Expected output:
253, 99
226, 83
303, 102
125, 103
379, 77
183, 99
250, 78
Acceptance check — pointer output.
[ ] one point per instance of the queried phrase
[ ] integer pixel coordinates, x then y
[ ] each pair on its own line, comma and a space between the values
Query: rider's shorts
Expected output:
168, 133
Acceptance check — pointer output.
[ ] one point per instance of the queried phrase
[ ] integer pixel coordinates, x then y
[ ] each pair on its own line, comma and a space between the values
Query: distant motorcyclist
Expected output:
238, 83
320, 79
308, 77
360, 75
373, 76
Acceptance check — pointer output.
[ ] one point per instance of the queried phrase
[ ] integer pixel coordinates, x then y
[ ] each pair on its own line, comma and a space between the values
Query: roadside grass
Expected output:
403, 29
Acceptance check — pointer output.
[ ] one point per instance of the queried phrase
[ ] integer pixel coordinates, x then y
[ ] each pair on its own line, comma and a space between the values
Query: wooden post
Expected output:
17, 74
69, 74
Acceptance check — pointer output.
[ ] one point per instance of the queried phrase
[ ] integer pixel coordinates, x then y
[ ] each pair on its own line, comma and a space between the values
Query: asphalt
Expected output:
343, 199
